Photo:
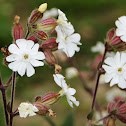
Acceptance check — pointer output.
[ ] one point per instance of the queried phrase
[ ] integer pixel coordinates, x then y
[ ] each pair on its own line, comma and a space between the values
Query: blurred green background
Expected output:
92, 19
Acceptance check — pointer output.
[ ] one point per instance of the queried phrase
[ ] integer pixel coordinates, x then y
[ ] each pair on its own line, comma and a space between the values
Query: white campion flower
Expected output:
26, 109
71, 72
68, 43
113, 93
24, 55
50, 13
63, 25
66, 90
116, 70
121, 28
99, 47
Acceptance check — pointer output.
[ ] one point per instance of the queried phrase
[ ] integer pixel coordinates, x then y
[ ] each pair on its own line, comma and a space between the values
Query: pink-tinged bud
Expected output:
121, 118
43, 109
50, 98
35, 16
122, 109
40, 35
33, 38
47, 25
49, 44
114, 42
17, 31
49, 57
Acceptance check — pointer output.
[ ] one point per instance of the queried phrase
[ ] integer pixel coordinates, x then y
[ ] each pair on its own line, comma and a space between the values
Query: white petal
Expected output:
14, 65
39, 56
70, 103
58, 78
30, 70
76, 103
35, 48
108, 77
123, 59
114, 81
119, 25
117, 58
36, 63
108, 69
109, 61
12, 57
123, 38
62, 16
21, 68
30, 44
120, 32
122, 19
13, 49
75, 38
21, 43
122, 83
71, 91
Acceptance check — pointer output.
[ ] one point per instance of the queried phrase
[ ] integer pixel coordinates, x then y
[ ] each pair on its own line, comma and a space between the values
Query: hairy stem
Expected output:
3, 89
12, 97
98, 77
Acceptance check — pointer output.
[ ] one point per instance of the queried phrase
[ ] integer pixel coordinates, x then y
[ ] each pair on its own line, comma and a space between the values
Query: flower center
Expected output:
120, 70
25, 56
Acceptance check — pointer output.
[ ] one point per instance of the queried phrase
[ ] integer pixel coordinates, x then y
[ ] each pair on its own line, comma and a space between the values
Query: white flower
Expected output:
116, 70
113, 93
26, 109
99, 47
68, 43
50, 13
71, 72
24, 56
63, 25
66, 90
121, 28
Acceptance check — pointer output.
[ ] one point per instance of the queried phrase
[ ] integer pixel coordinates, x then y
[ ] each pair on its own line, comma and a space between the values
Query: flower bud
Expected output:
40, 35
35, 16
49, 44
42, 8
17, 31
114, 42
43, 109
47, 25
49, 58
50, 98
33, 38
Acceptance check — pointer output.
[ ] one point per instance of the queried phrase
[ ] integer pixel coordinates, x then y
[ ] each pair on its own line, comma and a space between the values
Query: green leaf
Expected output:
90, 115
69, 121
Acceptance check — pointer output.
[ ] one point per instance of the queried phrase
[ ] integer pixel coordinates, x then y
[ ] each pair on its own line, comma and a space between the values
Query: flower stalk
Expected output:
98, 77
12, 97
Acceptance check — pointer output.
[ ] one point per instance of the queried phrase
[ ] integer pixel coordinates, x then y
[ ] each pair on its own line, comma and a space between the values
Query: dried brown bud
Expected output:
49, 57
17, 31
5, 51
47, 25
35, 16
33, 38
50, 98
58, 68
49, 44
40, 34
